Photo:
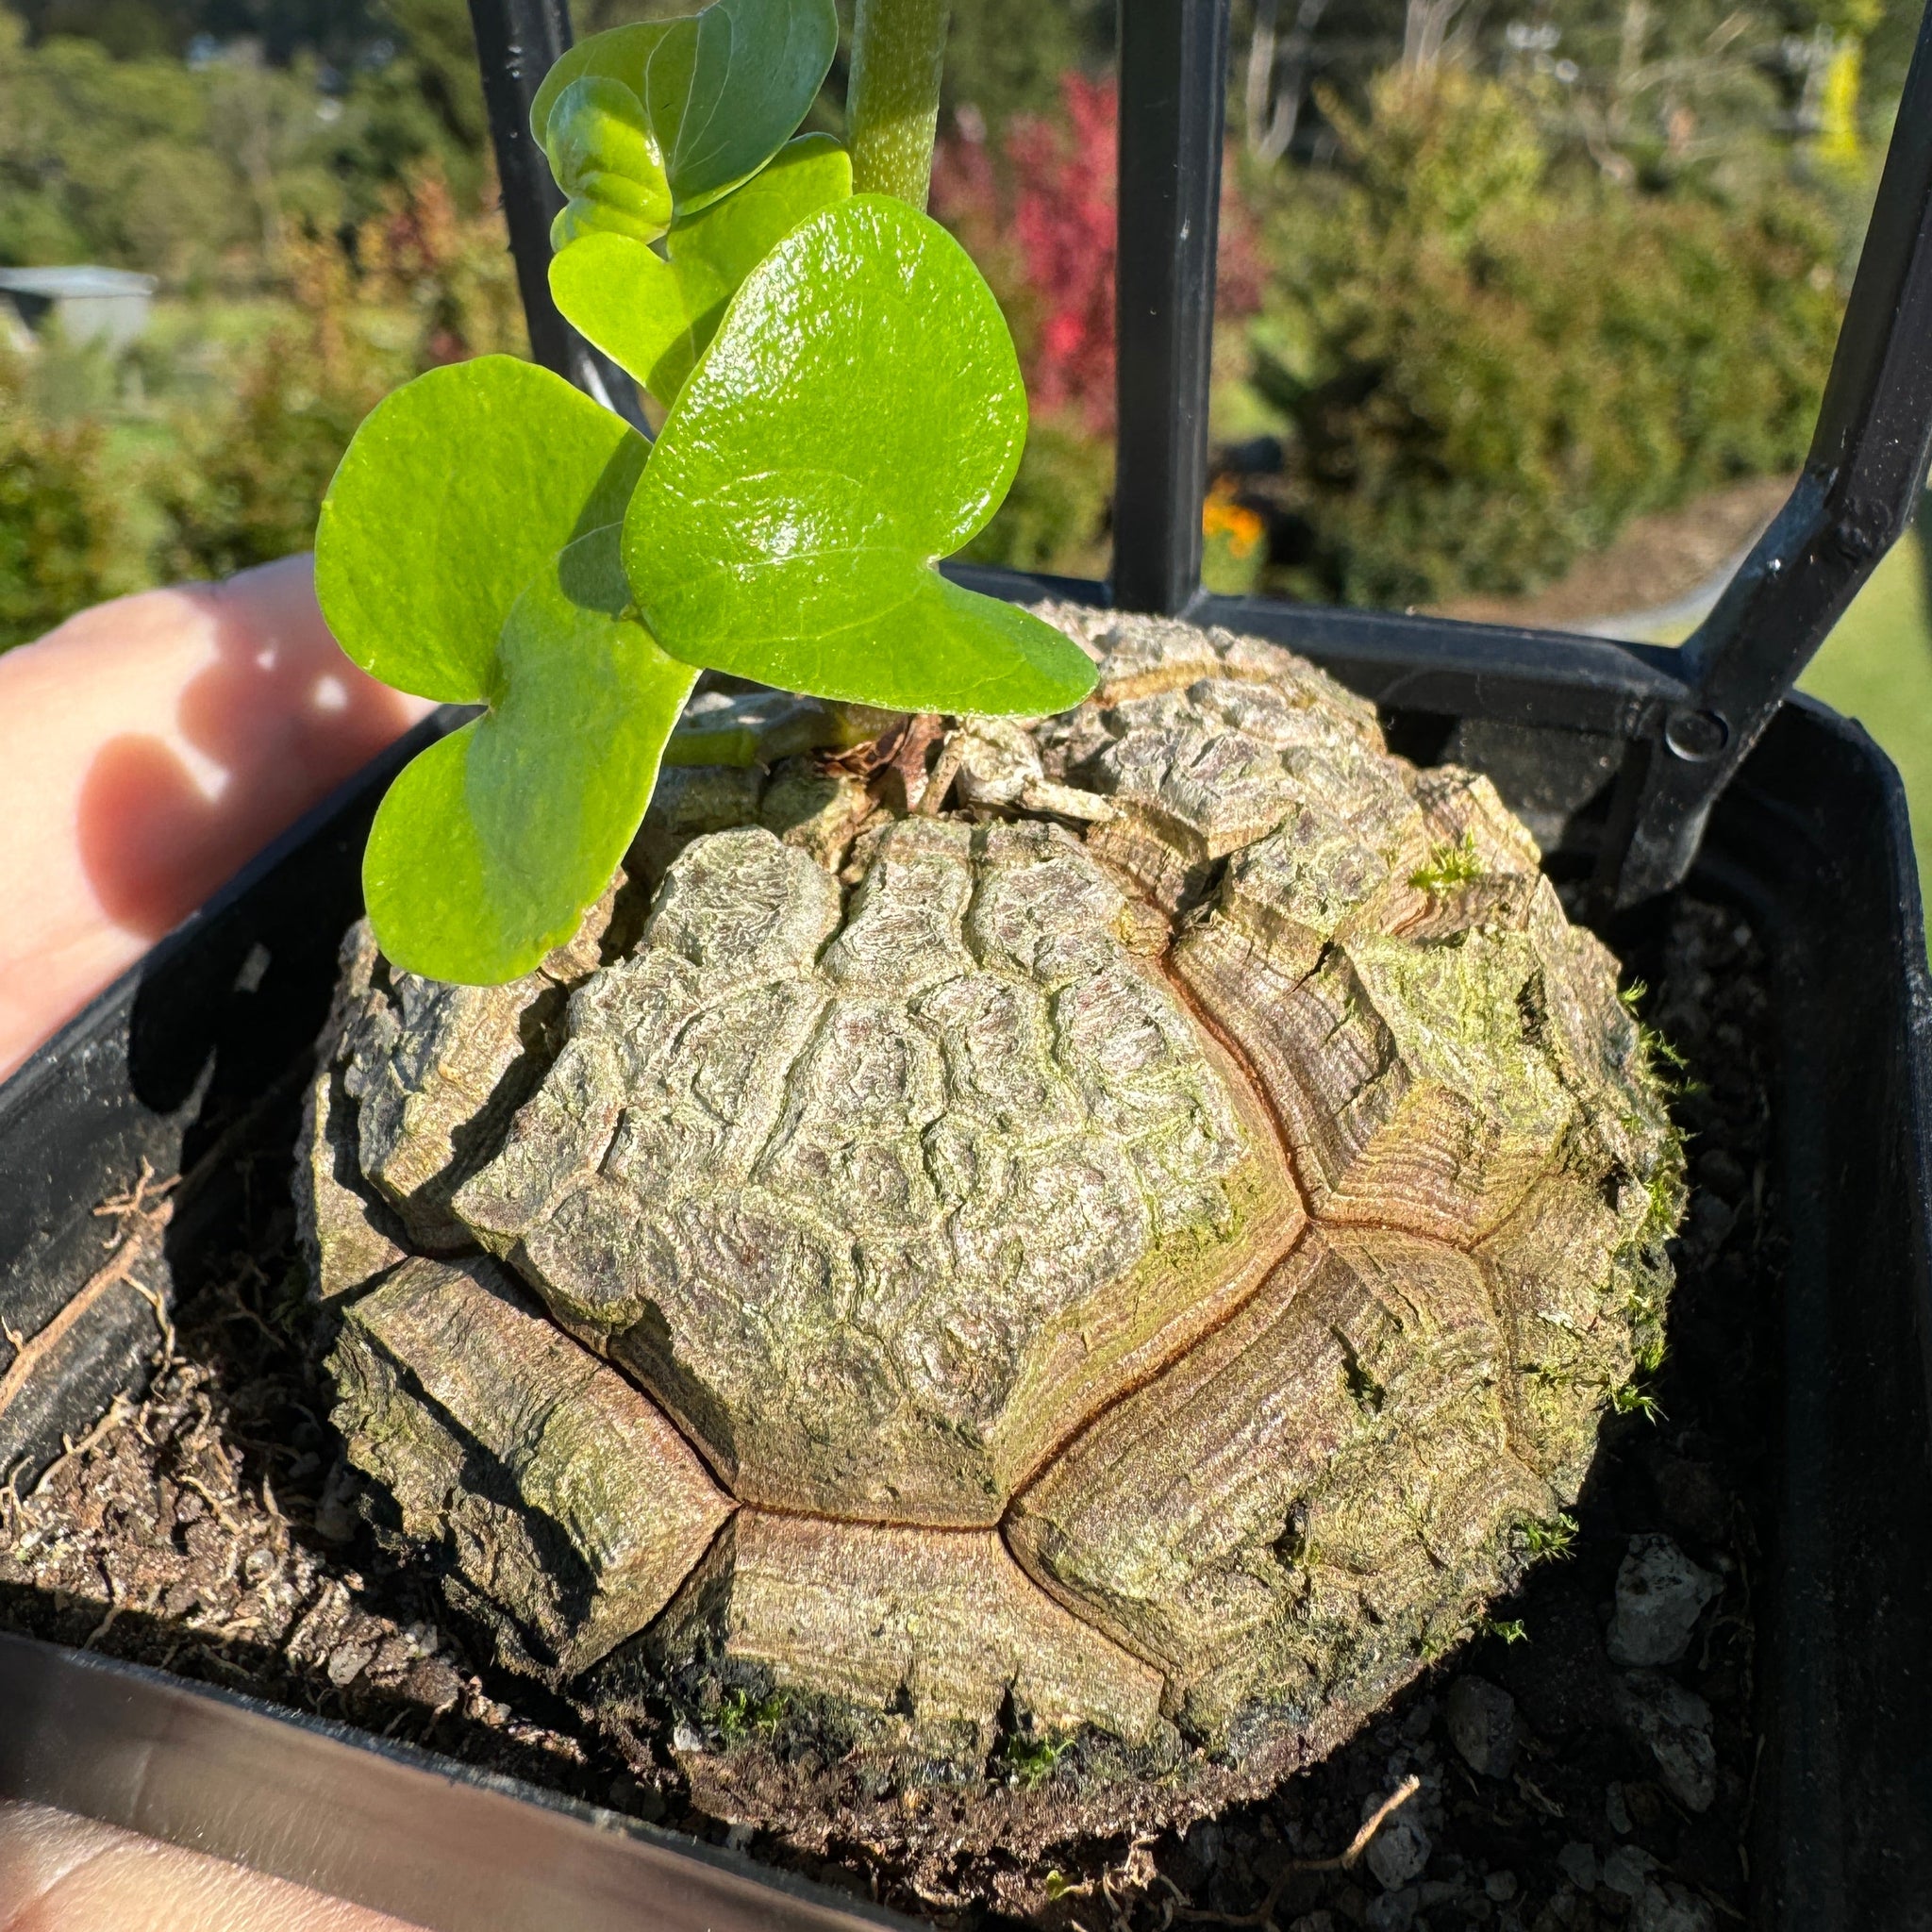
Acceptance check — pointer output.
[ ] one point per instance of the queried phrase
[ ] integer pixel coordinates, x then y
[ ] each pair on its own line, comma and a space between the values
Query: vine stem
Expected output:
892, 106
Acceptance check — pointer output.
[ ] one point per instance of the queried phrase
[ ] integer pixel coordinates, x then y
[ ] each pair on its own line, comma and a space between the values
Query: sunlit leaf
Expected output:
622, 53
654, 314
492, 843
860, 414
725, 89
604, 158
457, 490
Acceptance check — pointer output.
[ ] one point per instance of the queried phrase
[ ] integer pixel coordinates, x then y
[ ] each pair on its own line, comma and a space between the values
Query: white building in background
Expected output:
108, 305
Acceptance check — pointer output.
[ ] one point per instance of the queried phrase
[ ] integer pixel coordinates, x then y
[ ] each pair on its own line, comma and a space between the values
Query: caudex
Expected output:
844, 408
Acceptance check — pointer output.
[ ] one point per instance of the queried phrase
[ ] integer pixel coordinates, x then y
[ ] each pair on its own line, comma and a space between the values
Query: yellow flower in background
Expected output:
1239, 528
1839, 146
1233, 548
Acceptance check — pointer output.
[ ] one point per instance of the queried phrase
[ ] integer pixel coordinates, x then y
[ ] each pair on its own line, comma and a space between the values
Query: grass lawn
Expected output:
1877, 667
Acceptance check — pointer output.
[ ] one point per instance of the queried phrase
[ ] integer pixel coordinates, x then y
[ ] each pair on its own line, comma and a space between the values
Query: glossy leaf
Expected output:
860, 414
492, 843
655, 314
604, 158
725, 89
457, 490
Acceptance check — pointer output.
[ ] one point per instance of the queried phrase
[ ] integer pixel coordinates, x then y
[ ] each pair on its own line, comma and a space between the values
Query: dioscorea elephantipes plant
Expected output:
843, 409
958, 1331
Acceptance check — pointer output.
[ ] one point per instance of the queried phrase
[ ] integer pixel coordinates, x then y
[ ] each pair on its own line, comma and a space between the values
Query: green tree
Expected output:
1006, 56
112, 160
1638, 88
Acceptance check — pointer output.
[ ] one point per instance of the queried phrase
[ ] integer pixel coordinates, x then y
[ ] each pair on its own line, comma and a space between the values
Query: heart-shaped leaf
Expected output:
491, 843
604, 158
655, 314
725, 89
859, 414
456, 491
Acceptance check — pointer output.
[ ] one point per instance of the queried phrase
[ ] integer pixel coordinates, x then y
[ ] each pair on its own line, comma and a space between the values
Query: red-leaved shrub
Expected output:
1040, 219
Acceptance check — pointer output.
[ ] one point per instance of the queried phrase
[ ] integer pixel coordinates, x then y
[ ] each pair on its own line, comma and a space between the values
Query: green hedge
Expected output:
62, 526
1486, 370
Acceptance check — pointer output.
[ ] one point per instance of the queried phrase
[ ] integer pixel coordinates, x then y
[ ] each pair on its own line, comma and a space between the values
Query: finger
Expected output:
61, 1873
148, 748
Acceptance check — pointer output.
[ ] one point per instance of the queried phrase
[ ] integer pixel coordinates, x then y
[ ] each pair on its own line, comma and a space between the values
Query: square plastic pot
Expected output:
194, 1062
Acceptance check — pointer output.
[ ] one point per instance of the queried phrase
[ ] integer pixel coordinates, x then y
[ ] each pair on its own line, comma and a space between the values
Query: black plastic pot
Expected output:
1644, 766
441, 1846
194, 1062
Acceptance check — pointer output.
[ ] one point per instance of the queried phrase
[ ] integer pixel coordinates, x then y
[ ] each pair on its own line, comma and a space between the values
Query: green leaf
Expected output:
604, 158
655, 315
731, 237
727, 89
859, 413
623, 54
734, 83
456, 491
492, 843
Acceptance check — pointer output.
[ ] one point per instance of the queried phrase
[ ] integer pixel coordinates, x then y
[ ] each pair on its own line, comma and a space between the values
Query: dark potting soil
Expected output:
211, 1528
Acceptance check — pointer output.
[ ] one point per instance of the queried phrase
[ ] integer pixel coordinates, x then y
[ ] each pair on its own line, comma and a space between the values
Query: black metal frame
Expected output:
1697, 711
1685, 719
1859, 488
517, 45
1172, 71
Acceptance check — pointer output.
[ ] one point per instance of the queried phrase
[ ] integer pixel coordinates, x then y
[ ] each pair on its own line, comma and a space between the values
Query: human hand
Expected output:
61, 1873
148, 747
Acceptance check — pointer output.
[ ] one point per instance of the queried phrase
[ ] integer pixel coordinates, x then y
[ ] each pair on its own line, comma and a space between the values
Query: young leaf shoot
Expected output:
655, 314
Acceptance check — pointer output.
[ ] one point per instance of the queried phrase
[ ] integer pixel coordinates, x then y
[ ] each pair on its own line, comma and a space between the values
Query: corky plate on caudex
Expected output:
1022, 1299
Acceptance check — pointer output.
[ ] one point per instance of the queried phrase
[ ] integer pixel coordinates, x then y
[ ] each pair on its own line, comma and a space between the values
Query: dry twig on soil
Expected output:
1343, 1861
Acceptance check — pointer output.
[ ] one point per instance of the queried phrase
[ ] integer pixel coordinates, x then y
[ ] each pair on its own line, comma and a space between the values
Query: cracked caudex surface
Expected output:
1124, 1268
881, 1201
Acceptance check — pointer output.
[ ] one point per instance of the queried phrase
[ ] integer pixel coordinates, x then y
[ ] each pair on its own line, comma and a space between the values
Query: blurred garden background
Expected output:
1526, 305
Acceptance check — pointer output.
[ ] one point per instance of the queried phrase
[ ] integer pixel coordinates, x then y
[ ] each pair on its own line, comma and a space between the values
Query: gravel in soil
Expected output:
1585, 1760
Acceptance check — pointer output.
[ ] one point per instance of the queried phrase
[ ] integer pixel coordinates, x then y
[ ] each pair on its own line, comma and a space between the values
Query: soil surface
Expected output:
1568, 1768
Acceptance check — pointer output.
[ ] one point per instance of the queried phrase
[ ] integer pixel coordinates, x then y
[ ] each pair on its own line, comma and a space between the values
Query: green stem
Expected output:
898, 48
